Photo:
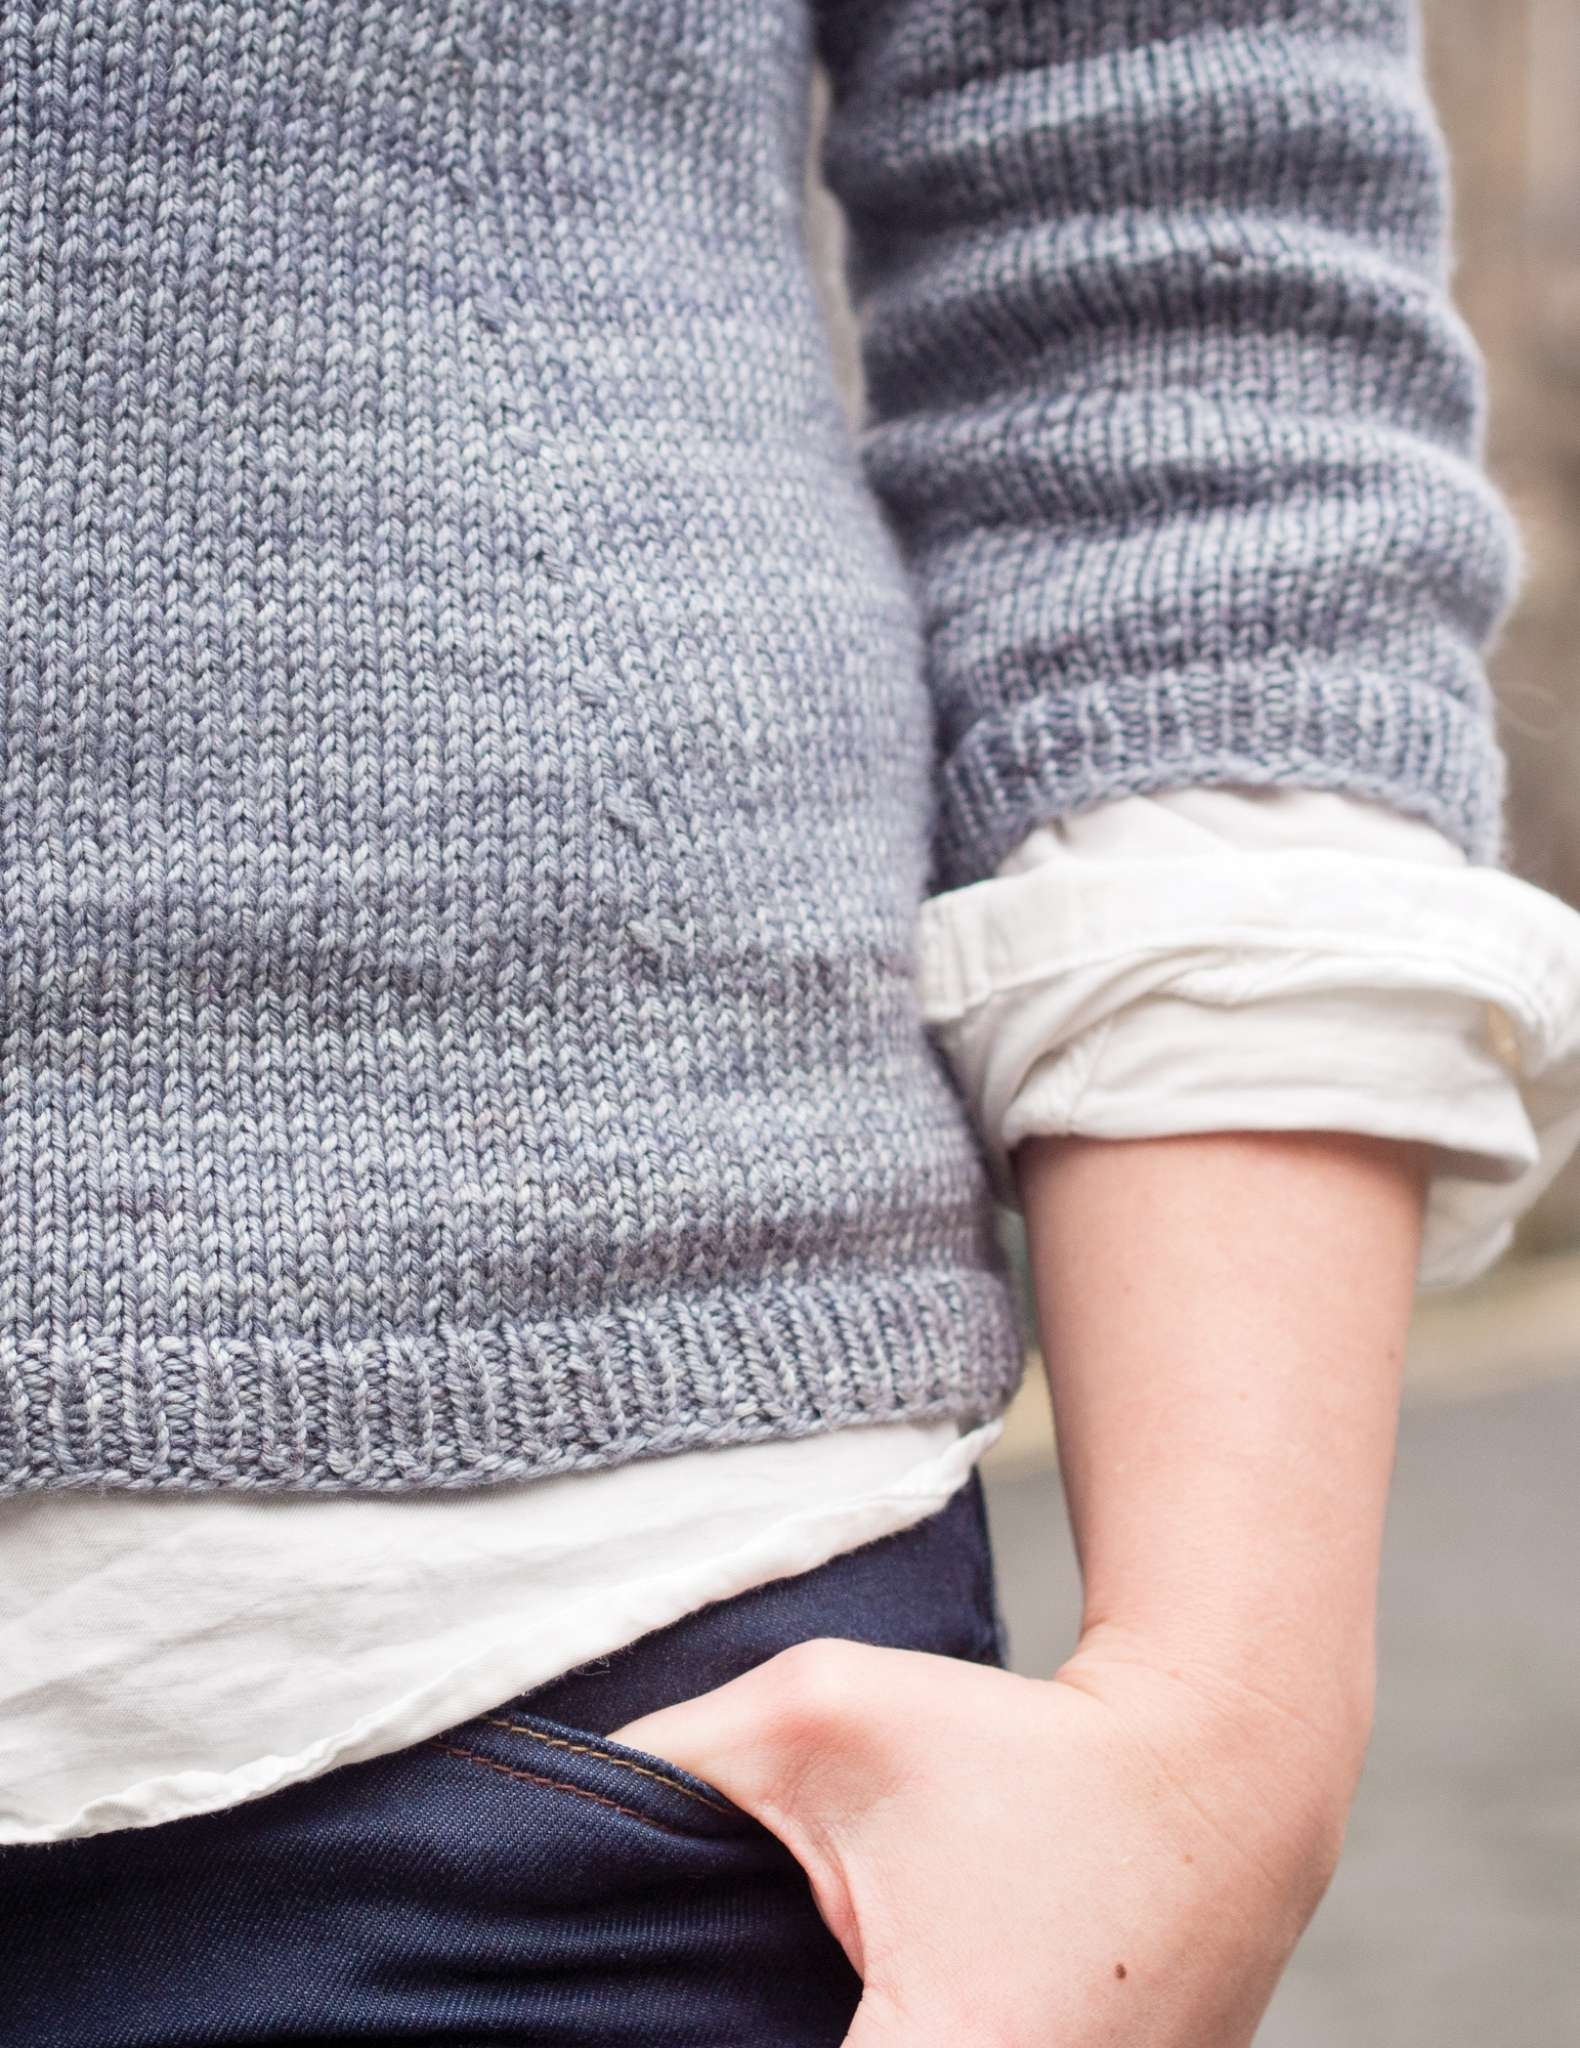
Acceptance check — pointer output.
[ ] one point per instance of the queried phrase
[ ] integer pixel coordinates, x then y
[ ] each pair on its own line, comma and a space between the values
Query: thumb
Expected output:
725, 1736
797, 1729
785, 1741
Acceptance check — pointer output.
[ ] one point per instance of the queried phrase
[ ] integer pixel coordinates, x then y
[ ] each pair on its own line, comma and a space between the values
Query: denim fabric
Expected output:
519, 1878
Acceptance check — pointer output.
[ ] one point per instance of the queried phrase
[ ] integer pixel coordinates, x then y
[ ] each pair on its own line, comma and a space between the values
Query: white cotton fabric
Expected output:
1200, 959
163, 1655
1304, 960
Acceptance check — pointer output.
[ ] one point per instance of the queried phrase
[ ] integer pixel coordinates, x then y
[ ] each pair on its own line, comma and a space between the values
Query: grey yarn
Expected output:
476, 728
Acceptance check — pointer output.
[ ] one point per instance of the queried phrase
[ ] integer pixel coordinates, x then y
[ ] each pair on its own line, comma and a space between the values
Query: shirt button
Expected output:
1503, 1038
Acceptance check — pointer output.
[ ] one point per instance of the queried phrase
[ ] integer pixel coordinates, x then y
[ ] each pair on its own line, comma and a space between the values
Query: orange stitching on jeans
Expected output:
622, 1763
558, 1785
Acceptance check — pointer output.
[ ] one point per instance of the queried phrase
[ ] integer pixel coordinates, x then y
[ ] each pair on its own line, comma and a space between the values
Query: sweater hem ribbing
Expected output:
453, 1408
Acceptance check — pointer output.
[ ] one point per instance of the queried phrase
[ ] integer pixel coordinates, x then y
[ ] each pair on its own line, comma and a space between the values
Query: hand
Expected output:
1125, 1853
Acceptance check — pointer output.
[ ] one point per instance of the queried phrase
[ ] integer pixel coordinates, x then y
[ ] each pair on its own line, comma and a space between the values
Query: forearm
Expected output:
1223, 1319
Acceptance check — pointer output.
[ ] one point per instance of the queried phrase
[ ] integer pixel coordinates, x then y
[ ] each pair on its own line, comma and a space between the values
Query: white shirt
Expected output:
1199, 960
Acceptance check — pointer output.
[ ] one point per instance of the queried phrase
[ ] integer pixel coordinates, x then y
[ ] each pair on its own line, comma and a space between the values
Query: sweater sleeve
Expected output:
1169, 409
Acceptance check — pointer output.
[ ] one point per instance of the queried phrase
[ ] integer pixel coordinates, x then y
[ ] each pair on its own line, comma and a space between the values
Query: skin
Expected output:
1128, 1850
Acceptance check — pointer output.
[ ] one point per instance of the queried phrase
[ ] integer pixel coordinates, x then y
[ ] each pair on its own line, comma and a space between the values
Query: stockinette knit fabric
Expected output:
477, 725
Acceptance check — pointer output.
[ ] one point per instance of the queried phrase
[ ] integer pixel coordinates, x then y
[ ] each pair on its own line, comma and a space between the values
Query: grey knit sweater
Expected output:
477, 728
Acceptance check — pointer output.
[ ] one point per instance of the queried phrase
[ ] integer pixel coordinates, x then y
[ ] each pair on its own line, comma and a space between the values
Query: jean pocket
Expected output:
634, 1782
629, 1901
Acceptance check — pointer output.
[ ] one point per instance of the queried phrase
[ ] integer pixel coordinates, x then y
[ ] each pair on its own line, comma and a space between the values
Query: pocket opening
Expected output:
635, 1782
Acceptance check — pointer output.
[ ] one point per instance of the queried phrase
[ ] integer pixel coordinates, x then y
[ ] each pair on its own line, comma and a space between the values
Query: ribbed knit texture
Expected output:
1172, 411
477, 729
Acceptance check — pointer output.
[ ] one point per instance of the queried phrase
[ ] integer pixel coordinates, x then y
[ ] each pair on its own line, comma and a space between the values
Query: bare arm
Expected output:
1223, 1319
1128, 1850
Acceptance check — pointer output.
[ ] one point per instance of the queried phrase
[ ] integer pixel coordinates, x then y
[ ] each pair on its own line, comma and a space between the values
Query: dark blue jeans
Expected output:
518, 1879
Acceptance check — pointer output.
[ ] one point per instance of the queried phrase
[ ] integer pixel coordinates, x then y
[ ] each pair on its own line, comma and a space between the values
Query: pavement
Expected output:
1454, 1920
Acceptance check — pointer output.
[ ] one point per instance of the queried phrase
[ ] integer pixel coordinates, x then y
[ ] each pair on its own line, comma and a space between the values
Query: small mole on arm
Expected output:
1120, 1970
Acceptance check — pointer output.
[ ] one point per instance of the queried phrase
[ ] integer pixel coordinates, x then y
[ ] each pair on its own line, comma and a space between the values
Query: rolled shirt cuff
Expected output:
1275, 989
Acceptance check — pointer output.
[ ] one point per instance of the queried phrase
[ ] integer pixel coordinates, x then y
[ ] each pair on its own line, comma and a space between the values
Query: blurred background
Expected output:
1454, 1921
